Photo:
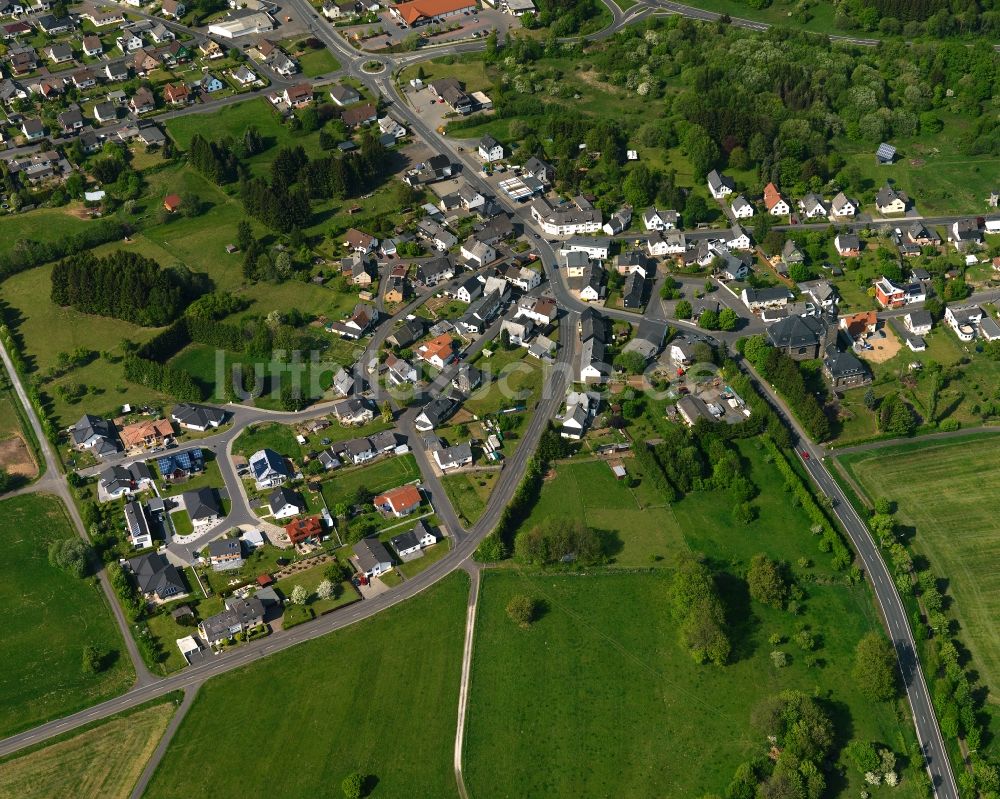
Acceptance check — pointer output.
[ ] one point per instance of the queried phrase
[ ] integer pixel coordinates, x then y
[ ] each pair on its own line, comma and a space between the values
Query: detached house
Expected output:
890, 201
490, 149
813, 206
400, 501
173, 9
268, 469
359, 241
299, 96
848, 245
176, 93
438, 352
842, 206
413, 540
742, 209
720, 185
96, 434
142, 101
654, 219
776, 204
92, 46
372, 557
889, 295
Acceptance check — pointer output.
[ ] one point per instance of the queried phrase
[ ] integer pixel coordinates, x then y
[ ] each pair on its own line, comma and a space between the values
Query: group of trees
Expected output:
559, 540
895, 416
699, 612
803, 732
123, 285
72, 555
216, 160
522, 609
27, 253
780, 369
768, 581
283, 201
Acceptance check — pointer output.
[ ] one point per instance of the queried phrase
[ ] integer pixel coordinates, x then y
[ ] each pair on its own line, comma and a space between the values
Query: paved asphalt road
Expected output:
465, 542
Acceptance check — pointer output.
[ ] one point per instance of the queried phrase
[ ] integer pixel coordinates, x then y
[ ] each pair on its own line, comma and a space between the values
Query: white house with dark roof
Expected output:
268, 469
742, 209
720, 185
490, 149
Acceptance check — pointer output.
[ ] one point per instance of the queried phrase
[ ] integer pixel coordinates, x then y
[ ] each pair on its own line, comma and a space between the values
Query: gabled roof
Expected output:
796, 331
370, 553
202, 503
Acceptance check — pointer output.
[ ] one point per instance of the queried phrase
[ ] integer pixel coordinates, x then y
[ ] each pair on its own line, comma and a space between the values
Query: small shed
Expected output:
172, 202
885, 154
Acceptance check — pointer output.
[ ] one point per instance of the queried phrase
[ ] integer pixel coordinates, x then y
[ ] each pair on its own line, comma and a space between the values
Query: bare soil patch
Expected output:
15, 458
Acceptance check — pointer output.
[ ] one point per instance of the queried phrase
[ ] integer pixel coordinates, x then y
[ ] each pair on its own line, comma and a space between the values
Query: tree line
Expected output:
27, 253
123, 285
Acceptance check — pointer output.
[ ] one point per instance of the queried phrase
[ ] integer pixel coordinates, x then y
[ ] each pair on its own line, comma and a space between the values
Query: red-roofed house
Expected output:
422, 12
438, 351
359, 115
300, 95
774, 202
304, 529
176, 93
172, 202
400, 501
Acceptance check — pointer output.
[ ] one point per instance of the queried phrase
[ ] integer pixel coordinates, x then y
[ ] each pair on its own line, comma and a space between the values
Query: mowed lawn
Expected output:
379, 697
50, 617
382, 475
597, 698
100, 763
947, 491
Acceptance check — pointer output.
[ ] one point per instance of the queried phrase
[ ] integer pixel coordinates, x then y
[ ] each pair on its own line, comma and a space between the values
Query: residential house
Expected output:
565, 219
408, 331
719, 185
300, 531
438, 352
655, 219
119, 481
391, 127
448, 458
692, 409
400, 501
776, 204
541, 310
813, 206
385, 441
194, 416
433, 413
176, 93
283, 503
890, 201
400, 371
619, 221
156, 578
268, 469
596, 247
634, 291
478, 253
519, 330
918, 322
490, 149
53, 26
848, 245
343, 382
495, 230
469, 290
965, 232
281, 63
70, 120
396, 290
682, 352
225, 554
539, 170
885, 154
524, 278
147, 434
581, 408
353, 411
358, 241
160, 33
372, 557
889, 295
92, 46
823, 293
244, 76
344, 95
467, 379
116, 71
593, 364
240, 616
589, 286
663, 243
801, 337
142, 101
737, 238
298, 96
59, 53
844, 370
202, 506
137, 525
412, 541
843, 206
732, 267
178, 466
144, 61
741, 207
359, 115
964, 320
859, 325
173, 9
22, 60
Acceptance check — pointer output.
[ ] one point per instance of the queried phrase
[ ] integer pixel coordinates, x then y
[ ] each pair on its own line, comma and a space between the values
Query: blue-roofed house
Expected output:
268, 469
178, 466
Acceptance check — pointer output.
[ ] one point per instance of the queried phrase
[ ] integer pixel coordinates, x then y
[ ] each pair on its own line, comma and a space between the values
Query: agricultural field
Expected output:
944, 491
52, 616
18, 448
102, 762
314, 708
601, 684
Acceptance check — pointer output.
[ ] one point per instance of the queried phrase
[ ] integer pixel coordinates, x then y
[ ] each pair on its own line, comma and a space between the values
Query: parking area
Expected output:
468, 25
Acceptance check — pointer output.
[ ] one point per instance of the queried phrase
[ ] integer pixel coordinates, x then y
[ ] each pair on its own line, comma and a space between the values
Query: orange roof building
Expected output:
858, 324
400, 501
438, 351
421, 12
773, 199
146, 433
172, 202
303, 529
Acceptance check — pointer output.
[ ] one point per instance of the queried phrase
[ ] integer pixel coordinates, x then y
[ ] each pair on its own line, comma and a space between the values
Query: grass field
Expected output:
48, 330
945, 491
330, 707
272, 435
317, 62
469, 492
232, 120
41, 224
103, 762
382, 475
50, 618
601, 686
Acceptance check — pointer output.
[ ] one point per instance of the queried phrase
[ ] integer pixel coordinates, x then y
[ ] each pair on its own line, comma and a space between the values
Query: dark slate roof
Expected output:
796, 331
155, 575
202, 503
371, 551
